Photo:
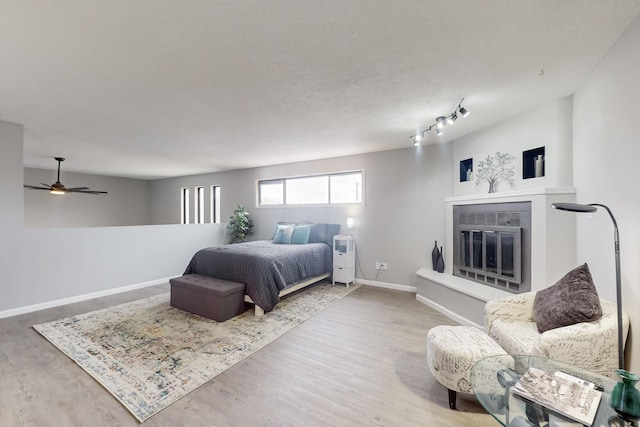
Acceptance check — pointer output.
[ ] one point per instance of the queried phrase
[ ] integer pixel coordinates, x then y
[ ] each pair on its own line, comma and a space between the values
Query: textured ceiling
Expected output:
151, 89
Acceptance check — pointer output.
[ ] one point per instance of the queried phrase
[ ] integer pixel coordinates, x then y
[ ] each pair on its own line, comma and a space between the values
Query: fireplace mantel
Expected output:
512, 196
552, 232
552, 252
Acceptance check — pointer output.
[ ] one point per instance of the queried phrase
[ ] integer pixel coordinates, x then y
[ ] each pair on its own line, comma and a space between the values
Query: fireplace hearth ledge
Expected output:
463, 286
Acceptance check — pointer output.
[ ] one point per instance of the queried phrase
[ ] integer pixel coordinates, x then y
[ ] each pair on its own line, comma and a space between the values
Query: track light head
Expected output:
441, 121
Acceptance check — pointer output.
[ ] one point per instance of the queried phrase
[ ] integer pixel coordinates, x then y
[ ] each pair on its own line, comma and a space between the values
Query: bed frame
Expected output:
289, 289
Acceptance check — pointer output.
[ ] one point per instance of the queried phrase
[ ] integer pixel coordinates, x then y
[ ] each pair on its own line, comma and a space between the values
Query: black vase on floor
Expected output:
435, 253
440, 262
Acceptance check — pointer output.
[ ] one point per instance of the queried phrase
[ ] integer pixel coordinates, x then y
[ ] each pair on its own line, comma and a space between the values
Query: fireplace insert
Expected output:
491, 244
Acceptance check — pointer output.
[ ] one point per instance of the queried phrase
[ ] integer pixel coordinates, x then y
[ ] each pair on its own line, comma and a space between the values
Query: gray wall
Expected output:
11, 214
127, 201
42, 266
403, 212
606, 151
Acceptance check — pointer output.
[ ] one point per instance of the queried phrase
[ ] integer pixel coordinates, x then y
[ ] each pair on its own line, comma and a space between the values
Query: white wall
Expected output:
62, 263
127, 201
402, 216
606, 156
548, 126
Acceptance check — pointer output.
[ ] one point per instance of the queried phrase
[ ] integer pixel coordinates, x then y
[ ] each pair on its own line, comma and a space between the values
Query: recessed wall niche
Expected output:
533, 163
466, 170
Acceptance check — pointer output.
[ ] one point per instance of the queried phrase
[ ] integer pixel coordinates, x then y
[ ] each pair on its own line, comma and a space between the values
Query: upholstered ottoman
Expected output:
208, 297
451, 353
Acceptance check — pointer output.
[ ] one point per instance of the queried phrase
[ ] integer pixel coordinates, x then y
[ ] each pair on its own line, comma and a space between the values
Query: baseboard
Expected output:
386, 285
450, 314
79, 298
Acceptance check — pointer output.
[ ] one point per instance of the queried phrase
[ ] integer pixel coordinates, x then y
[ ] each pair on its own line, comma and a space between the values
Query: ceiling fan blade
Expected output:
59, 188
86, 191
37, 188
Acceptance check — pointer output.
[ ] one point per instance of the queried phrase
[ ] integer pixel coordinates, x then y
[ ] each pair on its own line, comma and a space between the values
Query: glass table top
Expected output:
493, 376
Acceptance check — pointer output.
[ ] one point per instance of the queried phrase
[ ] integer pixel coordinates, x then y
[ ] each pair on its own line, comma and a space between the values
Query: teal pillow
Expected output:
300, 234
283, 234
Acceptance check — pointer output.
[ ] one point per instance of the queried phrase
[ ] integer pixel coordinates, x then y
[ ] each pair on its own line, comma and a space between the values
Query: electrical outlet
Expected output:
377, 265
384, 266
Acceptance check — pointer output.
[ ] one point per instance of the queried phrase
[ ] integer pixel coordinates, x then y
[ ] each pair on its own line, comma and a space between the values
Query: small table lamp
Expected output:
575, 207
350, 223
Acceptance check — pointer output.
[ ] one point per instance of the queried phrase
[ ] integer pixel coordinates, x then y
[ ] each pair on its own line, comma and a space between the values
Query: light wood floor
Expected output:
360, 362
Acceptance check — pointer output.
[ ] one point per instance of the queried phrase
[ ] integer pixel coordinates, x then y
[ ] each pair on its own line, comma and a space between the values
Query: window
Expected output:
346, 188
271, 192
215, 204
336, 188
184, 203
199, 205
307, 191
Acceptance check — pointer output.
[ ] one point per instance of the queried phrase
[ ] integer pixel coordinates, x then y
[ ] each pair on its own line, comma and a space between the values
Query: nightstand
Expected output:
344, 259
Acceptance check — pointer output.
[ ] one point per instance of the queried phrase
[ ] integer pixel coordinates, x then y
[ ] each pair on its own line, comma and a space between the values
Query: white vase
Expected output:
539, 166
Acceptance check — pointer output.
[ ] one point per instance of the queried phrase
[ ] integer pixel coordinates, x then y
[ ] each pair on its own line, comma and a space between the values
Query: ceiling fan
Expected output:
58, 188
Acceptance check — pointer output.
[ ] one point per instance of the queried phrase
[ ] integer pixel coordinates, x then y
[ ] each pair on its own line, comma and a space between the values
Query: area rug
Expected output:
149, 354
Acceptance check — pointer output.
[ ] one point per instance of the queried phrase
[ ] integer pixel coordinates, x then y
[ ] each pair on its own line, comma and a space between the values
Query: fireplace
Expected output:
492, 244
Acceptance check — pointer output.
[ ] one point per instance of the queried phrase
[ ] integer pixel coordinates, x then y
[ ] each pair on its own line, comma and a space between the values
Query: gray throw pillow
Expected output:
573, 299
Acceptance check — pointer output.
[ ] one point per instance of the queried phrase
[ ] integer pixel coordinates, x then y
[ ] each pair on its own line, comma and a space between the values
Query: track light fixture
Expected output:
441, 121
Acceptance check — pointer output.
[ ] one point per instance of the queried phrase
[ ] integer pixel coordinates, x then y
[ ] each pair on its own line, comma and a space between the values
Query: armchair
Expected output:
590, 345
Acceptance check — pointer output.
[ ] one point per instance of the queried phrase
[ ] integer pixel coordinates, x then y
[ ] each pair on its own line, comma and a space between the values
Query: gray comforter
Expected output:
263, 266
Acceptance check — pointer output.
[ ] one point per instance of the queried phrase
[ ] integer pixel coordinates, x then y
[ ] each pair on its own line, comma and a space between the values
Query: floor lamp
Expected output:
592, 207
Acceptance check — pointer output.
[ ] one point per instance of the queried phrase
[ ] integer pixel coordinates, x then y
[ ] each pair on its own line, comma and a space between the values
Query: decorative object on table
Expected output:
625, 397
435, 253
240, 224
148, 354
565, 394
440, 261
494, 170
590, 208
539, 167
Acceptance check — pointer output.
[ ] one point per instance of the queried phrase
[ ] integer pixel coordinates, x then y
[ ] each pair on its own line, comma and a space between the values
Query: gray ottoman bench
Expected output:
451, 353
208, 297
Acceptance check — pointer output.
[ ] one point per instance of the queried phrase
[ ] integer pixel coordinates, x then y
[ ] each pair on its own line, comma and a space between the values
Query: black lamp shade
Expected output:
574, 207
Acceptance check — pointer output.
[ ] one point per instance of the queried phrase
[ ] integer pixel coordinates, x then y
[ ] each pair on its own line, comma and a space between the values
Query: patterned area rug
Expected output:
149, 354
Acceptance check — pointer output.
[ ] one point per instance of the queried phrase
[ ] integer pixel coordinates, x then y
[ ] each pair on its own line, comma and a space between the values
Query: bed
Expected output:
270, 268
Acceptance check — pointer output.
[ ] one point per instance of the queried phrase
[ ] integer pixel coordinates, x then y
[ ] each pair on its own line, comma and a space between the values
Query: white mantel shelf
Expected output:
488, 197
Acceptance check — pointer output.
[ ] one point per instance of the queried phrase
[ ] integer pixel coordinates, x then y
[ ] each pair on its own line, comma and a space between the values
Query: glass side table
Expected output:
493, 376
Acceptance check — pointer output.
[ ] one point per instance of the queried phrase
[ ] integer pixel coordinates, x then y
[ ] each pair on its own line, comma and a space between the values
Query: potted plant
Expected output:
240, 225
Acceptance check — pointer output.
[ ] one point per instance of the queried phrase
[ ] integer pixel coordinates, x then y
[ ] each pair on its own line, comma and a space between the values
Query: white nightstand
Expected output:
344, 259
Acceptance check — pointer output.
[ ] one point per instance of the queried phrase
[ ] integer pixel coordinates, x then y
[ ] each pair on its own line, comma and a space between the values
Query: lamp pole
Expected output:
575, 207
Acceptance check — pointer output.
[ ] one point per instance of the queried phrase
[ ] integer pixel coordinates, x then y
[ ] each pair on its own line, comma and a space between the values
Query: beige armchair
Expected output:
590, 345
